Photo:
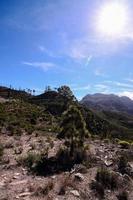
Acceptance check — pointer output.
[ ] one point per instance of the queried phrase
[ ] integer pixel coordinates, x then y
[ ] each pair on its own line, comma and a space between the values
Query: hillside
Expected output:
116, 110
52, 147
108, 102
7, 93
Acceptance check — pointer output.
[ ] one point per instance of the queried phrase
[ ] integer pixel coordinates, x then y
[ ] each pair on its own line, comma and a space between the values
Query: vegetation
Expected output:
17, 116
1, 151
66, 92
98, 188
42, 191
106, 178
122, 164
124, 144
66, 137
123, 196
73, 129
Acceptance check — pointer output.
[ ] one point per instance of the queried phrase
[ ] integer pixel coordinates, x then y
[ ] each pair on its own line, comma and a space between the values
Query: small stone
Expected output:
19, 182
75, 193
3, 194
108, 163
16, 176
79, 177
53, 177
126, 177
18, 150
24, 194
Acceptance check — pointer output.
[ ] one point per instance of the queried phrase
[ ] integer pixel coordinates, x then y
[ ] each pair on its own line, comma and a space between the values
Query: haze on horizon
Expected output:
87, 45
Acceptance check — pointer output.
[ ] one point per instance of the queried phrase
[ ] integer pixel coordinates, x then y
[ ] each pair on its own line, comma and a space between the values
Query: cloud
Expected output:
88, 60
77, 53
80, 88
129, 80
127, 93
42, 65
99, 72
119, 84
102, 88
43, 49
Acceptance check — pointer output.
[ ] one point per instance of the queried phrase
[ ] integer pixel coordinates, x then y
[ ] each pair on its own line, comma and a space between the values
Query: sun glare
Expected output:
112, 19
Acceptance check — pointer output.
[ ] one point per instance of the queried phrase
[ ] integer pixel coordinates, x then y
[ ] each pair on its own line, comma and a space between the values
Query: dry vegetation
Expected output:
43, 156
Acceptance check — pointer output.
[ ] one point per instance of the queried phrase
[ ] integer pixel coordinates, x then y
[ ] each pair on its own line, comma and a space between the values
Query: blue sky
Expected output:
56, 42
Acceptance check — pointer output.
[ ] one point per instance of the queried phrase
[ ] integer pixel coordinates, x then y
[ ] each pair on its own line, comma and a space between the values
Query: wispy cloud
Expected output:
42, 65
99, 72
102, 88
44, 50
129, 80
88, 60
80, 88
119, 84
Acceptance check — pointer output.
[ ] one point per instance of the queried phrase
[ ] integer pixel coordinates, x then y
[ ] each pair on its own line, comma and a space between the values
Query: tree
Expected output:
66, 92
34, 91
73, 129
47, 89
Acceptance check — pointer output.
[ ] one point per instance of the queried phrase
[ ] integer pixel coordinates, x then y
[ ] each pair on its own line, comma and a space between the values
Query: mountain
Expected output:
108, 102
118, 111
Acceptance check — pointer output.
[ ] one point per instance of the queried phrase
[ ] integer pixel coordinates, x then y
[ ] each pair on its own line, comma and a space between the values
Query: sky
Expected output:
57, 42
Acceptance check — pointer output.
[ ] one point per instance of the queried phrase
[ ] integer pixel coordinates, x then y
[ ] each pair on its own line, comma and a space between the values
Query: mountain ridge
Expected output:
108, 102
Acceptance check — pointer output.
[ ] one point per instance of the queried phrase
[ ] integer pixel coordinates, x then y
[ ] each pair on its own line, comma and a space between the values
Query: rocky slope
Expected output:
16, 182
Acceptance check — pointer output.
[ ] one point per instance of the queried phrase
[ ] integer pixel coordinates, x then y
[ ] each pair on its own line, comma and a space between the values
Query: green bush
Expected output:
107, 179
124, 144
98, 188
122, 164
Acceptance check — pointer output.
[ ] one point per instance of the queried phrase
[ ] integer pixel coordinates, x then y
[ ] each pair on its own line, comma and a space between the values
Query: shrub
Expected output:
106, 178
98, 188
28, 160
1, 151
123, 196
66, 162
122, 164
44, 190
124, 144
67, 182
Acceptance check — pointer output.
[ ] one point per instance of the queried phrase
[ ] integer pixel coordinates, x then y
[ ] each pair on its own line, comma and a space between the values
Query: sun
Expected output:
112, 19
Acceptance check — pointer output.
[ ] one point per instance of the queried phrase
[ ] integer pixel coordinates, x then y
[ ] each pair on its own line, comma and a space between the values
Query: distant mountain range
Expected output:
108, 102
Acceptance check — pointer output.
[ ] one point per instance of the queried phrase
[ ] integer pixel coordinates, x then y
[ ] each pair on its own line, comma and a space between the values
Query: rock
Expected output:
6, 160
16, 176
3, 194
79, 168
131, 165
19, 182
24, 194
53, 177
18, 150
2, 184
108, 163
126, 177
79, 177
75, 193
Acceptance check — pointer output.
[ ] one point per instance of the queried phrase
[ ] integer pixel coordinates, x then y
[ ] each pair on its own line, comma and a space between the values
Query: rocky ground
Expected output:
16, 182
